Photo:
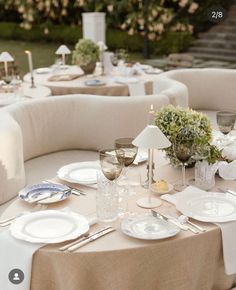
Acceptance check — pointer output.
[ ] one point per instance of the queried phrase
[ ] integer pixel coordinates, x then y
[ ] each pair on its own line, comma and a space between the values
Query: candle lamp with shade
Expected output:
63, 50
5, 57
150, 138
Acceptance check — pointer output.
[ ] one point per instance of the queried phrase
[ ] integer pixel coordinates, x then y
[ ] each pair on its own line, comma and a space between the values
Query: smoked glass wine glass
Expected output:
225, 121
183, 149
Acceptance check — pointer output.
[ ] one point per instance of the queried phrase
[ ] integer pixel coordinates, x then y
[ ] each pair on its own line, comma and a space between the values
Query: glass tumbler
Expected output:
107, 199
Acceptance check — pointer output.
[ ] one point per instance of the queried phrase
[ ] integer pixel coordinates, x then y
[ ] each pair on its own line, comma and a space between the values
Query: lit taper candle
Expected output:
151, 116
30, 61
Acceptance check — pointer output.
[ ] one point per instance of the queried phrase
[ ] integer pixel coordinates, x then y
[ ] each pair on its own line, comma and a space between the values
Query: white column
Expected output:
94, 26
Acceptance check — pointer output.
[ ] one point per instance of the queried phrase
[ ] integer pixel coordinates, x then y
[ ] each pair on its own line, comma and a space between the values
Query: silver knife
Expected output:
91, 239
174, 222
83, 237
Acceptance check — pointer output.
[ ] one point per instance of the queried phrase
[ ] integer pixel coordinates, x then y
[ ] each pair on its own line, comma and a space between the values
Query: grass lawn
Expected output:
43, 53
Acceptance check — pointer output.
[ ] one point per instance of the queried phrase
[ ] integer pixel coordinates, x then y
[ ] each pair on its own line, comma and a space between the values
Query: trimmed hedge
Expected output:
172, 42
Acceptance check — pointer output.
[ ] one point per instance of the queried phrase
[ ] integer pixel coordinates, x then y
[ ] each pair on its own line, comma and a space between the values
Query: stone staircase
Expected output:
218, 43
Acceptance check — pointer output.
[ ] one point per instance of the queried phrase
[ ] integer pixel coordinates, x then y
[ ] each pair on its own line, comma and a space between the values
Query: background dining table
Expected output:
78, 86
185, 262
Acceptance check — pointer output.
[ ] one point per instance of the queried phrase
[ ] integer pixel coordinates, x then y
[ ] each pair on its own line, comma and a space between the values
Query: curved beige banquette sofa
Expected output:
209, 89
40, 136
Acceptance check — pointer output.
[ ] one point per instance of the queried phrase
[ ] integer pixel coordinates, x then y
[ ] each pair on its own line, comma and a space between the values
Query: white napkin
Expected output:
17, 254
228, 170
228, 232
226, 144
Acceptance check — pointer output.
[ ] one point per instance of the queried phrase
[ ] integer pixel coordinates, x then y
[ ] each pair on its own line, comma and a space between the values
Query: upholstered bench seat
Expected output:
40, 136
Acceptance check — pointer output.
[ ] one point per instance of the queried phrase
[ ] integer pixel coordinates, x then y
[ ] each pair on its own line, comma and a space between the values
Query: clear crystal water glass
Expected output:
107, 199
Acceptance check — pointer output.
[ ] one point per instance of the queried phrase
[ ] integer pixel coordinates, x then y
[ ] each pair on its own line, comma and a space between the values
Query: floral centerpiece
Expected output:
86, 54
176, 122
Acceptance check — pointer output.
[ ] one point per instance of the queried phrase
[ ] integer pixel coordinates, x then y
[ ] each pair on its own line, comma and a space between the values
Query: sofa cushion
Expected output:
80, 122
208, 88
46, 166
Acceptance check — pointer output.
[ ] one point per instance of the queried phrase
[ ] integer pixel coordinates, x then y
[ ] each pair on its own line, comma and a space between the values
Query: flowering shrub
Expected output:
154, 18
183, 123
86, 52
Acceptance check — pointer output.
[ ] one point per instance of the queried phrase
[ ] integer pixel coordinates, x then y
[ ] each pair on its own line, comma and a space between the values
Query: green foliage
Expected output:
214, 155
172, 42
56, 33
86, 52
179, 123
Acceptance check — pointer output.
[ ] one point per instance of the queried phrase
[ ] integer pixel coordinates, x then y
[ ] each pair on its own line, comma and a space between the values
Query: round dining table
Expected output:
116, 261
73, 81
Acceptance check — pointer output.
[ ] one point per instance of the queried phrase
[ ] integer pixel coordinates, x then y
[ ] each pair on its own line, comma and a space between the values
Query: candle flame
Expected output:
27, 51
151, 108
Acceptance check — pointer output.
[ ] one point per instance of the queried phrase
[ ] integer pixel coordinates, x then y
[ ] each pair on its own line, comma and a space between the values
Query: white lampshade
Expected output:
63, 49
101, 45
5, 57
151, 138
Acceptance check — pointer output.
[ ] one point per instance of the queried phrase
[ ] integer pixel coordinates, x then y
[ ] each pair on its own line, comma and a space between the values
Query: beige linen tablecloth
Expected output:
77, 86
119, 262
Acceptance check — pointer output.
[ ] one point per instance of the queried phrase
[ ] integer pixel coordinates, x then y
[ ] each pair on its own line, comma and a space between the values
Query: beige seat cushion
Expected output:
75, 122
46, 166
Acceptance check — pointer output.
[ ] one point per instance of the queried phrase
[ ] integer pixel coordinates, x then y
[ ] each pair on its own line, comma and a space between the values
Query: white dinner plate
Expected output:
147, 227
49, 226
8, 99
43, 70
208, 206
153, 71
81, 172
42, 190
94, 83
126, 80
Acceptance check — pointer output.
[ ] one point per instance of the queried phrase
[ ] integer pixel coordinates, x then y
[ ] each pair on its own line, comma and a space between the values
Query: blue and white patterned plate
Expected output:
94, 83
35, 191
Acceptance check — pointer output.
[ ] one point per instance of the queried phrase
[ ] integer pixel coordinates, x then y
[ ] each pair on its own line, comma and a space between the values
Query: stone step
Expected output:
231, 21
211, 50
210, 56
215, 43
223, 28
219, 35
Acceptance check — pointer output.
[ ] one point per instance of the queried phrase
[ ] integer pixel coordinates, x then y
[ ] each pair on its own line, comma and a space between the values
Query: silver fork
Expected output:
185, 219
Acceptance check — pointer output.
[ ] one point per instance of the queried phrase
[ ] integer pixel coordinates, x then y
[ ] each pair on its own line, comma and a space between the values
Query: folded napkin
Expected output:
65, 77
17, 254
228, 231
226, 144
227, 170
